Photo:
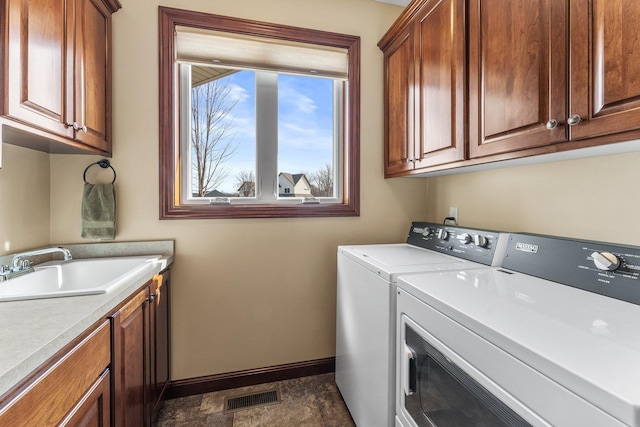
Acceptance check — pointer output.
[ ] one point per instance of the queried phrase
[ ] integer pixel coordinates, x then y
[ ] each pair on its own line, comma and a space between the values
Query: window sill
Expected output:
259, 211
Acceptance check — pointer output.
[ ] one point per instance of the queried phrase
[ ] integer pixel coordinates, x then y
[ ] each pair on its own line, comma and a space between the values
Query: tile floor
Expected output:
305, 402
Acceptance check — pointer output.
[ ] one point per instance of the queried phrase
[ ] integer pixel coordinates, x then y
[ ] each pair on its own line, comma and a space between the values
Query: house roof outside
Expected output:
293, 178
215, 193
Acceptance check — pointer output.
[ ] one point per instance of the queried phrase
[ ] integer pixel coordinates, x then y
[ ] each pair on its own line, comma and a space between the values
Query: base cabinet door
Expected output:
73, 388
94, 410
159, 328
130, 361
141, 354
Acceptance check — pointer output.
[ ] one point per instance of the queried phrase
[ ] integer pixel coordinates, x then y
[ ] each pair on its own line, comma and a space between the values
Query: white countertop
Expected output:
32, 331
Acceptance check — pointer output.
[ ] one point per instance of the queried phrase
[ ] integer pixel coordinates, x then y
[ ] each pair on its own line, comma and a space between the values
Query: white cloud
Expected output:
296, 99
238, 93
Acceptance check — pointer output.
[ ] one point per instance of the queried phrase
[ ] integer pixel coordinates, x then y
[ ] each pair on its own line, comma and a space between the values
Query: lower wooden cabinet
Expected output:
72, 389
141, 354
130, 349
115, 374
159, 311
94, 409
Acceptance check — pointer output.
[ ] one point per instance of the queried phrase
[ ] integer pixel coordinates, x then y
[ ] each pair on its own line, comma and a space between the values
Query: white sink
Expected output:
76, 277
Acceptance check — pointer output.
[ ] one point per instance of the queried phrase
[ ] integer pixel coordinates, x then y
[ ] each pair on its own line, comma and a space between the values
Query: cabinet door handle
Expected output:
574, 119
153, 296
77, 127
552, 124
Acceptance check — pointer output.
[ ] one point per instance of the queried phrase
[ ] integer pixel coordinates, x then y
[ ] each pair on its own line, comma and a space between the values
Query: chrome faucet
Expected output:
21, 265
18, 259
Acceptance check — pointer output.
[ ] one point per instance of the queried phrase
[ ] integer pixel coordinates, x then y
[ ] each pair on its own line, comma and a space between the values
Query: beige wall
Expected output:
246, 293
24, 199
594, 198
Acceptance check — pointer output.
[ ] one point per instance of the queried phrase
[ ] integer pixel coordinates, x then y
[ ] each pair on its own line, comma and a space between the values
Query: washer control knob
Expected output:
442, 234
464, 238
480, 241
426, 232
605, 261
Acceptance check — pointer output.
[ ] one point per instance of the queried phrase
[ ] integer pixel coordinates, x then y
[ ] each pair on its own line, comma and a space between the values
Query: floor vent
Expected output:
236, 403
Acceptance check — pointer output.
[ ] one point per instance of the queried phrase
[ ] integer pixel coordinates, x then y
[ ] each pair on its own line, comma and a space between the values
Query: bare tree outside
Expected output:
246, 183
322, 181
212, 135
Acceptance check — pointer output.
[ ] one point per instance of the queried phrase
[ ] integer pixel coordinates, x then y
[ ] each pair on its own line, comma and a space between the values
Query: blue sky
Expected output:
305, 130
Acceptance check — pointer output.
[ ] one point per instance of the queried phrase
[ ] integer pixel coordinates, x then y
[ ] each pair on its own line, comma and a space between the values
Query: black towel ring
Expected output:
104, 163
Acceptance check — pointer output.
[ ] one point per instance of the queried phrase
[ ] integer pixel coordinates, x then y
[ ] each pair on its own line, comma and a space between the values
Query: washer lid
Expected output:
586, 342
389, 261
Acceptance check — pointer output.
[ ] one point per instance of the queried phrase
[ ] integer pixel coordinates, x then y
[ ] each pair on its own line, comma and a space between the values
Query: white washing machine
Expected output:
549, 339
366, 307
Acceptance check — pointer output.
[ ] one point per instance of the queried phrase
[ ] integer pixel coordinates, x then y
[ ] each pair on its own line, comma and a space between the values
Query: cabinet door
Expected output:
94, 409
399, 66
517, 74
65, 386
37, 42
130, 364
441, 82
159, 327
92, 70
605, 66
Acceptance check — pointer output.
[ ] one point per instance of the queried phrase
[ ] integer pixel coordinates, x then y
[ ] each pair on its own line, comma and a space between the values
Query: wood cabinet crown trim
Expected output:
404, 20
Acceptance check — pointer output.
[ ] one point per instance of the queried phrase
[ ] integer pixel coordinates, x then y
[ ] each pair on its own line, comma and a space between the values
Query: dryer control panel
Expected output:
478, 245
604, 268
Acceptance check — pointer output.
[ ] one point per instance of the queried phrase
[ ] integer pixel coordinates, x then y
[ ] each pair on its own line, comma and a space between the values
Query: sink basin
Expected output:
76, 277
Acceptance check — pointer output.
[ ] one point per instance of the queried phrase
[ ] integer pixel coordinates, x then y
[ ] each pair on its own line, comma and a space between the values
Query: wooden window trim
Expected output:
170, 206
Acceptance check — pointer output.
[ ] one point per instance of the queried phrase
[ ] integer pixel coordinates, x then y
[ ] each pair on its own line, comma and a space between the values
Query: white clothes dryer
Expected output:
549, 339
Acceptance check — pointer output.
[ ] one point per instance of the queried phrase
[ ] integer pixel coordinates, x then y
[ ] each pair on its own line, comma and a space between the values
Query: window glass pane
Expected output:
223, 136
305, 136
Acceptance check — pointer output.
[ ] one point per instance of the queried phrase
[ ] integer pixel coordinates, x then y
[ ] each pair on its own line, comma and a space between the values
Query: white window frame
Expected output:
266, 189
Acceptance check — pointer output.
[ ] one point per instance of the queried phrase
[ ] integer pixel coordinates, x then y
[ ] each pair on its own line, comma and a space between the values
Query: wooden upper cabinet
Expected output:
399, 106
605, 67
424, 88
57, 76
37, 65
441, 83
517, 75
92, 106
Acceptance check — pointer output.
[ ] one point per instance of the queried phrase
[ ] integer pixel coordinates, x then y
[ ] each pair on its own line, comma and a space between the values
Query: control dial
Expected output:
605, 261
426, 232
480, 241
464, 238
442, 234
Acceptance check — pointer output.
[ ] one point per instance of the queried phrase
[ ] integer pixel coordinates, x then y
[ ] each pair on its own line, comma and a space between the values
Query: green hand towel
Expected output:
99, 211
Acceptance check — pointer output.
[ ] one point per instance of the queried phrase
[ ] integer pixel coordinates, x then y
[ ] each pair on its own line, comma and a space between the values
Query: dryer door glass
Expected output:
446, 396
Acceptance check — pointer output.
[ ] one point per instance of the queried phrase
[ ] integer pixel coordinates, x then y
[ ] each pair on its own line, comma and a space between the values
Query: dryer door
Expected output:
438, 393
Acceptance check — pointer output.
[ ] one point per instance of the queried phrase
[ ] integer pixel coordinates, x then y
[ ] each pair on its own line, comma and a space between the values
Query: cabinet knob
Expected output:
77, 127
552, 124
574, 119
